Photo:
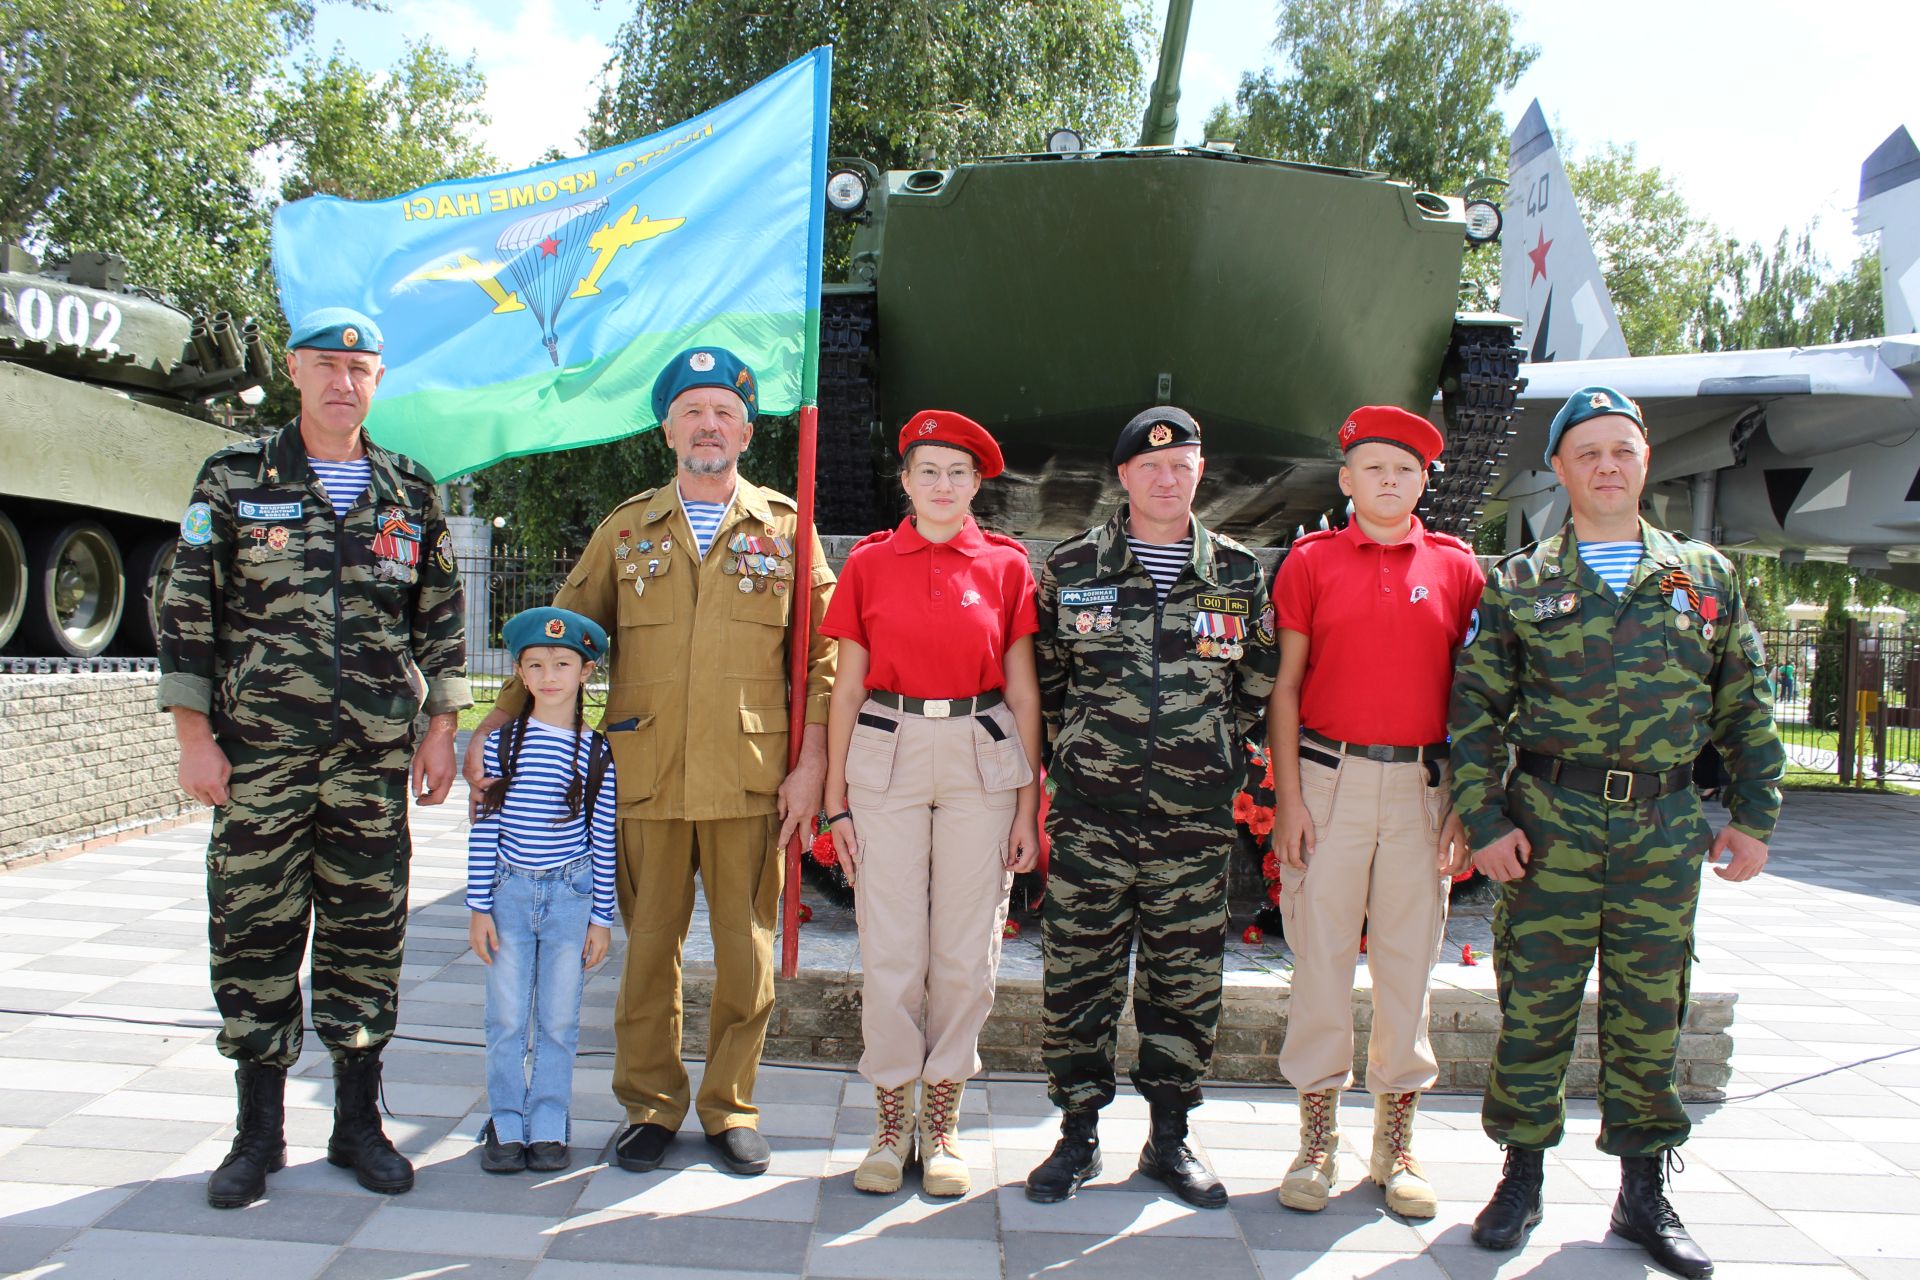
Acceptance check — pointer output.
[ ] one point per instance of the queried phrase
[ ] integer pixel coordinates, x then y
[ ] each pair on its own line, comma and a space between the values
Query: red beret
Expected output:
955, 430
1391, 425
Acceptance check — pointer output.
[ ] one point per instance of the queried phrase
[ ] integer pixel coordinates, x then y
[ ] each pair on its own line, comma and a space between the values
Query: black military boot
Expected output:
1168, 1158
1515, 1207
259, 1140
1642, 1214
358, 1142
1075, 1158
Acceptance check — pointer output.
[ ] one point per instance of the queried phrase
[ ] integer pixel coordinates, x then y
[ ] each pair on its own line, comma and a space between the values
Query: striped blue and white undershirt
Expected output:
1614, 562
525, 832
704, 518
1162, 561
343, 482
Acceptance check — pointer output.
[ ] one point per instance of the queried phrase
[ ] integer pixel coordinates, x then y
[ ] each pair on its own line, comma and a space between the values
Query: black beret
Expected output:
1161, 427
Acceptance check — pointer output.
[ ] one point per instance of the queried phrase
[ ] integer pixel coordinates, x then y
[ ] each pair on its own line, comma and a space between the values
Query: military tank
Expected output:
1054, 295
104, 422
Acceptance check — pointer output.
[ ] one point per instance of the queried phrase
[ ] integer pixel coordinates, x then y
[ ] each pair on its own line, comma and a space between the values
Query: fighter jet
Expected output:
1810, 452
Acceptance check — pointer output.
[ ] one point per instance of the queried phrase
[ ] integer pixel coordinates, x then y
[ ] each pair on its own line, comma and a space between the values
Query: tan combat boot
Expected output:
1310, 1177
943, 1170
884, 1168
1409, 1194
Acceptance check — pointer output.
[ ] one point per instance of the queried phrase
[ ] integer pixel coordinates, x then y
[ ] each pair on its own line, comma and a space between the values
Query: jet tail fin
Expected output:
1548, 273
1890, 204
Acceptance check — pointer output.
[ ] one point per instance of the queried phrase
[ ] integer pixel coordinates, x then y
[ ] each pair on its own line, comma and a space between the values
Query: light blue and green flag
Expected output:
530, 312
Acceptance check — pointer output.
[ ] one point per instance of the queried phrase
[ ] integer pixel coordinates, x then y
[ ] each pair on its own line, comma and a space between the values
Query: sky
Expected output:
1759, 113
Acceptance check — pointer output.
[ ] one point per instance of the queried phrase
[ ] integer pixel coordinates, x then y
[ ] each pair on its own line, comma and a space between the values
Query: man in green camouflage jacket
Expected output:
1606, 656
1156, 655
314, 610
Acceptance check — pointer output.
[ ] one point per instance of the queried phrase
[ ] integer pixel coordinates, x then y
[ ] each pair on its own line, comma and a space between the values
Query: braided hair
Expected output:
513, 735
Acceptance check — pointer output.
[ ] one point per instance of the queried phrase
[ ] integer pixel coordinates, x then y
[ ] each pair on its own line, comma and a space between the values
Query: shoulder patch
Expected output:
196, 525
1227, 542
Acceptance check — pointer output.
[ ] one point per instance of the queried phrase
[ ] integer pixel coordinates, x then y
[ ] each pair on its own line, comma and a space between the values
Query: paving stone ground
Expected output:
114, 1105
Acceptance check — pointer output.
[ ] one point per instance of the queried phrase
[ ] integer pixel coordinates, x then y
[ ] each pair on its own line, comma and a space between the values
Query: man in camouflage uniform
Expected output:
1156, 656
299, 642
1606, 693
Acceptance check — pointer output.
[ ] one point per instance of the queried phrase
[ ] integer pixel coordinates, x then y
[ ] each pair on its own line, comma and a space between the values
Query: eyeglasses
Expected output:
927, 477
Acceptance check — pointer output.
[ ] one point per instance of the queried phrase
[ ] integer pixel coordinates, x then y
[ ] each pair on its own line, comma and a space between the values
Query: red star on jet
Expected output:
549, 247
1538, 256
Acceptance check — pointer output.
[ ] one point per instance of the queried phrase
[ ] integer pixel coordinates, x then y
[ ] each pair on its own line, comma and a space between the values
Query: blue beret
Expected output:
704, 367
1163, 427
336, 329
1587, 403
561, 627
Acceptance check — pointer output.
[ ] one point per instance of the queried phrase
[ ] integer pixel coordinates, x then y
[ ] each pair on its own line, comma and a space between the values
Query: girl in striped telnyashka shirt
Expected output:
540, 885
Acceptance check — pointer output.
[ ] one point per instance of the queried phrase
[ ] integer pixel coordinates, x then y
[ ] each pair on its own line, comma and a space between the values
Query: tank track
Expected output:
1478, 384
844, 485
12, 666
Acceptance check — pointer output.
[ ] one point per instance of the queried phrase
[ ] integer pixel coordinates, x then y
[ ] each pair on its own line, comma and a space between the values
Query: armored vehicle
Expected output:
104, 422
1052, 296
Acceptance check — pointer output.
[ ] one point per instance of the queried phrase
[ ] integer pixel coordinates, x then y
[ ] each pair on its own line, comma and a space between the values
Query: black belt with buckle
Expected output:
1385, 755
937, 708
1615, 786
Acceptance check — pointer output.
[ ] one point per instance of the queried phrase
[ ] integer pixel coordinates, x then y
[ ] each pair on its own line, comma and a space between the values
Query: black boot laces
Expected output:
1513, 1191
1665, 1220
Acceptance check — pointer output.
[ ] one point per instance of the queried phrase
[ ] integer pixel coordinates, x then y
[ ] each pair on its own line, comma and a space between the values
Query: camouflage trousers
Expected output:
1623, 881
1109, 872
308, 835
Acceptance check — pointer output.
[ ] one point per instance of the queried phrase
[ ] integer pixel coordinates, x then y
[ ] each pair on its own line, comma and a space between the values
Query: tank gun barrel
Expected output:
1163, 103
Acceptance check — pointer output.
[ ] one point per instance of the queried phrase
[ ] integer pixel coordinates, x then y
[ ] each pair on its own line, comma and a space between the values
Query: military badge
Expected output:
1083, 623
1473, 629
1568, 603
639, 586
196, 525
1600, 400
1709, 606
1162, 434
443, 551
928, 427
1750, 644
1682, 621
666, 545
1104, 622
746, 586
277, 537
622, 551
701, 362
1706, 631
632, 567
398, 540
645, 545
555, 628
349, 337
779, 588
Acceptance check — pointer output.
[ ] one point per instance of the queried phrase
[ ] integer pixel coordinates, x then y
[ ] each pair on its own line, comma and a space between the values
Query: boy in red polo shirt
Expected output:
1371, 617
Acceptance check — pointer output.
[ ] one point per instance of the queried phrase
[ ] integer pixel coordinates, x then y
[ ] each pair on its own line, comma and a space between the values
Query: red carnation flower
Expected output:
824, 852
1252, 936
1273, 894
1011, 929
1270, 866
1243, 808
806, 913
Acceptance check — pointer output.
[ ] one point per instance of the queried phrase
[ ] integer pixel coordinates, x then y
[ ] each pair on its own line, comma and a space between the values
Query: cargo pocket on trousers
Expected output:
1001, 760
1318, 785
633, 759
870, 752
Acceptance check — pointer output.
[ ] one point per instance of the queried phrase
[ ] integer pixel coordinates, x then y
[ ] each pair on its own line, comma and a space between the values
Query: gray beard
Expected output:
706, 466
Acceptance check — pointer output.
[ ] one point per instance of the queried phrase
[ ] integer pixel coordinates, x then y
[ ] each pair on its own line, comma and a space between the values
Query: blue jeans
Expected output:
533, 997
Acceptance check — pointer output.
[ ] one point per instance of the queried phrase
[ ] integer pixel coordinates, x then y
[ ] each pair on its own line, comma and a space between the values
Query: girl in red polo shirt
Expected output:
933, 751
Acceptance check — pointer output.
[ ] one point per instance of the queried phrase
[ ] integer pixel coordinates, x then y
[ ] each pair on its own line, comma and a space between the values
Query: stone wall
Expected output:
83, 756
816, 1018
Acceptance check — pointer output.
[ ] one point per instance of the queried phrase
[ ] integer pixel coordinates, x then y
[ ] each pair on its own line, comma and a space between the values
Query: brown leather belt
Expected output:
1615, 786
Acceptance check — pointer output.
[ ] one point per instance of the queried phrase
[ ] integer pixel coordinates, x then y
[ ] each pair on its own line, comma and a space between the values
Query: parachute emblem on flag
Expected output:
546, 250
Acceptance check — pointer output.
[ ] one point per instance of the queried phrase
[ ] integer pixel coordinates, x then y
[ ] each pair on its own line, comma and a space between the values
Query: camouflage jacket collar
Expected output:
1114, 558
284, 461
1560, 558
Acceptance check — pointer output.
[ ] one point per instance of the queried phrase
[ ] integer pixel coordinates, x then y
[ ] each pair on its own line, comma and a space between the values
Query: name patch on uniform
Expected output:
1237, 605
268, 510
1074, 597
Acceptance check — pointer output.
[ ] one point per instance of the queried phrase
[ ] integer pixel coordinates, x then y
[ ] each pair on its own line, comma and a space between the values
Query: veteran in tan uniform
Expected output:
695, 583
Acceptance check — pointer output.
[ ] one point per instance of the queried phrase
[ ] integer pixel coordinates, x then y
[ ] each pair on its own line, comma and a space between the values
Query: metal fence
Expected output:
1848, 702
498, 586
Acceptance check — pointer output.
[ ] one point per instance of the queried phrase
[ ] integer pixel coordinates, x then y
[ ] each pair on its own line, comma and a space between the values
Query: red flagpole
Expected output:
799, 642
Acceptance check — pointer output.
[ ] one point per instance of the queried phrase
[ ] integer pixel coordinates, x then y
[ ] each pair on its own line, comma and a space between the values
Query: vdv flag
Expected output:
531, 311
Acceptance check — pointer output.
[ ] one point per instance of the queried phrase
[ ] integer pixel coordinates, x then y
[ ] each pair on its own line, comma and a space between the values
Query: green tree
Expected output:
1405, 87
913, 80
131, 127
1656, 257
1786, 296
352, 133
